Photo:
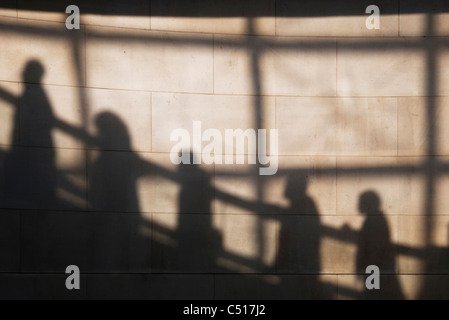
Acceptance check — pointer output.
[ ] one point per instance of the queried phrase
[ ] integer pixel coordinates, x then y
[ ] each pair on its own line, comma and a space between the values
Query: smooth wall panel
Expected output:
118, 192
396, 182
337, 126
379, 67
10, 241
53, 241
54, 116
149, 60
416, 256
87, 175
119, 243
179, 111
232, 17
43, 178
350, 244
50, 116
428, 287
129, 14
341, 18
120, 120
412, 238
186, 243
302, 186
202, 243
237, 189
393, 67
147, 183
100, 243
41, 52
39, 287
424, 18
307, 126
353, 287
415, 129
275, 66
249, 243
9, 8
246, 287
176, 188
274, 287
151, 287
9, 108
401, 184
367, 126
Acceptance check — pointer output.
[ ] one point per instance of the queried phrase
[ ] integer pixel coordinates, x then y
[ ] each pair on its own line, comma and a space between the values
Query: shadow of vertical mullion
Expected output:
432, 90
80, 70
257, 87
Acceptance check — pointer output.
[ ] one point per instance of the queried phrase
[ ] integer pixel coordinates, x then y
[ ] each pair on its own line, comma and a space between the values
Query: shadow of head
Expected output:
112, 132
33, 72
296, 187
369, 203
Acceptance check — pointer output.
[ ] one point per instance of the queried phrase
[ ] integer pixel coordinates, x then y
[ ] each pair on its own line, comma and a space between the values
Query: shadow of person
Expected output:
199, 243
31, 175
117, 242
113, 188
375, 248
300, 239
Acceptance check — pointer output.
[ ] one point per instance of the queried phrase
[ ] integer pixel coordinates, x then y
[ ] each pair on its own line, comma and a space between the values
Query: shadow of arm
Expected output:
78, 133
8, 97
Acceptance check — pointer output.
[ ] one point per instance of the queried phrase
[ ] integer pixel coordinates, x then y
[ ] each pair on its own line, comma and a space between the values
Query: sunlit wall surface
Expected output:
86, 118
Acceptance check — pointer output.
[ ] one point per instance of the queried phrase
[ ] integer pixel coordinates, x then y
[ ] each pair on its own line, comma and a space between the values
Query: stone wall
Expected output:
86, 117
